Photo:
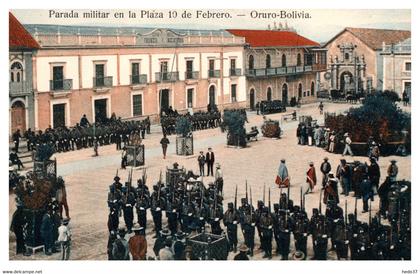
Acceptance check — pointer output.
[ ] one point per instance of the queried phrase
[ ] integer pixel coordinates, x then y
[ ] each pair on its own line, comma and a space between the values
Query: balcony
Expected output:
214, 73
61, 85
279, 71
139, 79
162, 77
102, 82
235, 72
20, 88
270, 71
191, 75
299, 69
406, 73
290, 70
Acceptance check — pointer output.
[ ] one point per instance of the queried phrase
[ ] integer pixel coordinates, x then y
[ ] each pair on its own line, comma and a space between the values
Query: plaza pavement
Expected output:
87, 179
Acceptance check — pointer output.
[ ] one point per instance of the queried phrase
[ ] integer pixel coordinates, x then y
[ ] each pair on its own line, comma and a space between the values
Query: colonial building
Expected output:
133, 72
280, 65
397, 67
22, 47
355, 62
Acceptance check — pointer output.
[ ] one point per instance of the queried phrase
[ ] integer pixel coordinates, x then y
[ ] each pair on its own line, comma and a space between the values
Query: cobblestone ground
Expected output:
87, 179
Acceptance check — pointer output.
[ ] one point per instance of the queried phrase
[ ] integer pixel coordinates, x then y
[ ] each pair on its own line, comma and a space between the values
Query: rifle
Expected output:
250, 196
345, 221
288, 195
301, 199
236, 197
370, 213
144, 175
246, 190
304, 200
116, 173
264, 194
281, 192
320, 204
355, 210
269, 200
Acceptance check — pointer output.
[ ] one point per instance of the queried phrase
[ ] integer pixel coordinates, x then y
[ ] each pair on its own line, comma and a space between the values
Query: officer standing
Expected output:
230, 220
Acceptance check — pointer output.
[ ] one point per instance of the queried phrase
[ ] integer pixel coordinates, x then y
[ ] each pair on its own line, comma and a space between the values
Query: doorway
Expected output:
18, 116
212, 96
164, 100
101, 110
59, 115
252, 99
284, 91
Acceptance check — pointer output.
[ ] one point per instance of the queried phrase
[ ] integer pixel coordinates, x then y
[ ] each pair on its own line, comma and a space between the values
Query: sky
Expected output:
322, 25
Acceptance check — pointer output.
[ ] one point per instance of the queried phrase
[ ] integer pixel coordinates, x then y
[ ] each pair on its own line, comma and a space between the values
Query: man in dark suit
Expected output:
210, 161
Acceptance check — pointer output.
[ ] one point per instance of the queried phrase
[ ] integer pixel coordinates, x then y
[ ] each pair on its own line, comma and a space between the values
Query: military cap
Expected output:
298, 255
393, 161
117, 178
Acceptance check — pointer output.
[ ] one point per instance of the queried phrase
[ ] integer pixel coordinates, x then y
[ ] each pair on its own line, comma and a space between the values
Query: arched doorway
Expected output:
312, 88
269, 94
346, 81
212, 95
252, 99
300, 88
18, 116
284, 91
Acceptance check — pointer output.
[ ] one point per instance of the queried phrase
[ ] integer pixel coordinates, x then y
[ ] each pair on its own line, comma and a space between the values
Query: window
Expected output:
58, 78
300, 90
269, 94
299, 60
137, 105
283, 60
190, 98
189, 72
312, 88
99, 75
251, 62
408, 66
232, 64
211, 68
16, 70
233, 93
268, 61
164, 70
135, 73
347, 56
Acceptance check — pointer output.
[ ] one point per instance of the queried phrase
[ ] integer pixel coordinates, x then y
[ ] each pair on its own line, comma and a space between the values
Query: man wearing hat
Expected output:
201, 162
210, 161
138, 244
325, 169
47, 231
374, 173
282, 179
111, 239
166, 253
311, 178
18, 223
347, 143
120, 246
392, 171
61, 197
242, 256
231, 220
344, 175
332, 142
219, 178
64, 238
157, 203
128, 201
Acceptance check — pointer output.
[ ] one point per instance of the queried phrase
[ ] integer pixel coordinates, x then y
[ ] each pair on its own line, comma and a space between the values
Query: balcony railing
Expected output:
235, 72
189, 75
167, 76
281, 70
99, 82
20, 88
278, 71
299, 69
270, 71
214, 73
308, 68
61, 85
291, 70
139, 79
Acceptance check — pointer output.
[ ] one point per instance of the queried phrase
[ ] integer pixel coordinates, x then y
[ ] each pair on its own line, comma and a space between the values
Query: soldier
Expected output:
340, 241
230, 220
111, 239
164, 143
178, 246
285, 226
266, 229
367, 193
142, 203
248, 221
344, 175
363, 245
242, 256
157, 203
258, 214
17, 227
214, 218
334, 214
47, 231
374, 173
353, 228
320, 235
300, 232
128, 201
201, 162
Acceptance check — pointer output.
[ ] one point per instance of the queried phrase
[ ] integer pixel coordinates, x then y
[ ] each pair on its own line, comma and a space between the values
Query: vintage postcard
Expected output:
209, 134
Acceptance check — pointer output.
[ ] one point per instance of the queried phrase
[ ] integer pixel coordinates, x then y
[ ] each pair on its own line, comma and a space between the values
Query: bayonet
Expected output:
264, 194
269, 200
246, 190
236, 197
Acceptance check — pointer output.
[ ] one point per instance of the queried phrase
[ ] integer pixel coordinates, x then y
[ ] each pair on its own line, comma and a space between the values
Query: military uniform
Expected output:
230, 220
265, 225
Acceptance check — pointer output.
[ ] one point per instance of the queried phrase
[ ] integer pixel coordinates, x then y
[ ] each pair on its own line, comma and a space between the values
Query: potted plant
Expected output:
184, 138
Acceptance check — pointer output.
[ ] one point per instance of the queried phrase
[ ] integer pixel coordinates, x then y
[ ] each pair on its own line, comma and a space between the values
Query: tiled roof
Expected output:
374, 38
273, 38
19, 37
